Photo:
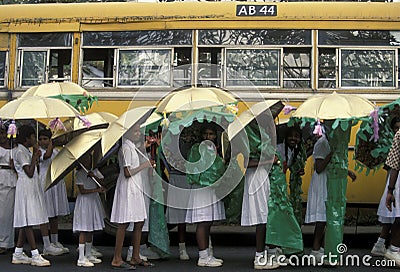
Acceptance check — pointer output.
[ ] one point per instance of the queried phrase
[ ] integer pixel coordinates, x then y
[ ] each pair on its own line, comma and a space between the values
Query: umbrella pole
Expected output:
87, 171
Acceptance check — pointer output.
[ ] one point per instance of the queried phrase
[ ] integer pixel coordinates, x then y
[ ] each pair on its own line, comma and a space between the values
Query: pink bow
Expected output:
318, 129
84, 120
12, 130
375, 125
56, 124
288, 109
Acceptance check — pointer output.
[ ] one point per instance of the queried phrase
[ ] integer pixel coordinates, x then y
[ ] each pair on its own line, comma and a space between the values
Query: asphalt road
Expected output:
235, 247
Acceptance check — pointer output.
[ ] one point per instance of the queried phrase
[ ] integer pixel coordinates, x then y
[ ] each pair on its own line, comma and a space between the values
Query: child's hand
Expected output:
102, 189
352, 175
36, 151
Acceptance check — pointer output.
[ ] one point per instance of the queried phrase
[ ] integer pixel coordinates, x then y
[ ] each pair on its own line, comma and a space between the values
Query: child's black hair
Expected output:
24, 132
45, 132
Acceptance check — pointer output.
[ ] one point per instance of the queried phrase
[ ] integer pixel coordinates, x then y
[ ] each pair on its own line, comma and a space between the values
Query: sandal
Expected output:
124, 266
140, 262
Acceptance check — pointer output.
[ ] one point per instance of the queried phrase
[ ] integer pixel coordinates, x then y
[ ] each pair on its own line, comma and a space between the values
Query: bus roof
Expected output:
196, 15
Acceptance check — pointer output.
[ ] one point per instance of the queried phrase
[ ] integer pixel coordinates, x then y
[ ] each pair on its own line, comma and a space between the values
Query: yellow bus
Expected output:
285, 50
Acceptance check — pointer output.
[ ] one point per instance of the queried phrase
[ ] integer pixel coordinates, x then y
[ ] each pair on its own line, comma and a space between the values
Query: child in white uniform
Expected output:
55, 198
30, 209
385, 216
204, 207
129, 205
317, 194
8, 181
89, 213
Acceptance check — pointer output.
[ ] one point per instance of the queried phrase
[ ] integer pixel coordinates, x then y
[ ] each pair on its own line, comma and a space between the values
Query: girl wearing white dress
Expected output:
385, 216
30, 209
317, 194
129, 204
89, 213
55, 198
204, 207
8, 181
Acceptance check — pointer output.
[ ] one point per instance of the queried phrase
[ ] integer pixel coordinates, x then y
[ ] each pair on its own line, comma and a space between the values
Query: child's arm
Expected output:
30, 169
352, 175
129, 172
321, 164
84, 191
49, 151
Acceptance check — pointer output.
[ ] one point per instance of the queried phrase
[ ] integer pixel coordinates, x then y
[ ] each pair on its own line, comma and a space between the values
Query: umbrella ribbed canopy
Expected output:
56, 89
96, 120
194, 98
334, 106
37, 107
118, 128
66, 159
275, 106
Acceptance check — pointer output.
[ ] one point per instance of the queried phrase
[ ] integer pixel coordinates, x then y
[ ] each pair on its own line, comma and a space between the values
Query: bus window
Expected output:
32, 68
210, 66
97, 68
297, 68
367, 68
43, 58
60, 65
3, 55
259, 66
327, 68
182, 66
144, 67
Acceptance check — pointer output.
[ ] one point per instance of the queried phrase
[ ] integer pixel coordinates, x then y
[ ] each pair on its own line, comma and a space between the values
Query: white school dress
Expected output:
255, 197
147, 191
89, 213
8, 181
384, 215
56, 197
177, 198
317, 192
128, 205
30, 209
204, 205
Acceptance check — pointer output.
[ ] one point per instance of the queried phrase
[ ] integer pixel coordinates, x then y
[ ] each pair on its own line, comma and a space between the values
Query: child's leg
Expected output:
119, 242
30, 236
202, 235
136, 236
44, 230
319, 233
82, 239
260, 237
21, 238
182, 233
53, 222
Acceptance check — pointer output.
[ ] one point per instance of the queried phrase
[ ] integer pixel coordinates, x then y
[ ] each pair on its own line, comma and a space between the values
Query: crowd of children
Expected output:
26, 203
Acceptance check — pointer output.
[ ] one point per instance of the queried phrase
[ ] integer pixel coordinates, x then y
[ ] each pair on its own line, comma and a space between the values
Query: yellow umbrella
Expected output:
334, 106
35, 107
118, 128
153, 119
275, 106
76, 125
67, 158
70, 92
56, 89
194, 98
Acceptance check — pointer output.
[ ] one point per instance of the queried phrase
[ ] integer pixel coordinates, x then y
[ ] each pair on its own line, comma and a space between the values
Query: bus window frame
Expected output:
46, 79
6, 64
170, 62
